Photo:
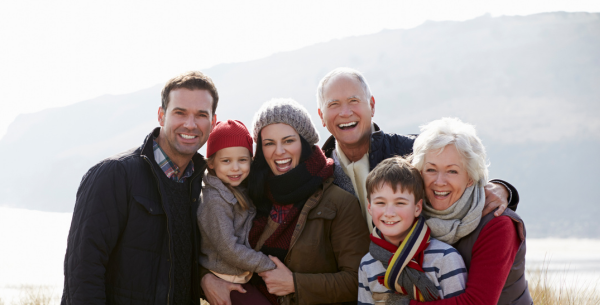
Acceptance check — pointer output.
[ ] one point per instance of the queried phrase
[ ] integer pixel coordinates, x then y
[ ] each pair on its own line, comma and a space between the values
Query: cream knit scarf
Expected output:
460, 219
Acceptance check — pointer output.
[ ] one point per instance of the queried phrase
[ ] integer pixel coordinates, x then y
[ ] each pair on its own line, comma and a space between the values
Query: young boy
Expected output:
400, 243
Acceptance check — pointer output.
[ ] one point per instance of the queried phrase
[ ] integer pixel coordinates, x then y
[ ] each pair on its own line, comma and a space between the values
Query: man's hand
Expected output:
496, 196
217, 290
280, 280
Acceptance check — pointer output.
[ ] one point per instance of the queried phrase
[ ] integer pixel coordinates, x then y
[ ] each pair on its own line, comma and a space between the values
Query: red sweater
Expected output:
493, 256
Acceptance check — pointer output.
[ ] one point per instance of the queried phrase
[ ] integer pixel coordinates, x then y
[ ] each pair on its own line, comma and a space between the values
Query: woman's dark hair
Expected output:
260, 172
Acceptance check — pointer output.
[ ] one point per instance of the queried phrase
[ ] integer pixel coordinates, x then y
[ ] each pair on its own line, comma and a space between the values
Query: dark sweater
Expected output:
179, 203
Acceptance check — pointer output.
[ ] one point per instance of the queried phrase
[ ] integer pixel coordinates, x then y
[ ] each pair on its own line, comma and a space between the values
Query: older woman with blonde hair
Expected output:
452, 161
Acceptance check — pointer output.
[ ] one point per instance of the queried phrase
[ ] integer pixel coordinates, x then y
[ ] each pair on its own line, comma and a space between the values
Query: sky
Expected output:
56, 53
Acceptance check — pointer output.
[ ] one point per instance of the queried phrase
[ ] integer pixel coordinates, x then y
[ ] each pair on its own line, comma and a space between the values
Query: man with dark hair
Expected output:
133, 237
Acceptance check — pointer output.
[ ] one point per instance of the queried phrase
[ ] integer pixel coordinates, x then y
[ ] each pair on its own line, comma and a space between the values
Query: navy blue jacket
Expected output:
383, 146
119, 249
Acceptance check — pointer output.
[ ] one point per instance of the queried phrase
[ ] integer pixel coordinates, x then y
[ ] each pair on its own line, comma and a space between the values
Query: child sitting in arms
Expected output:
401, 249
225, 213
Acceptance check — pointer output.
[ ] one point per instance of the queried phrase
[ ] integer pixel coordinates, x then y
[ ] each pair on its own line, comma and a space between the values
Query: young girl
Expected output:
225, 214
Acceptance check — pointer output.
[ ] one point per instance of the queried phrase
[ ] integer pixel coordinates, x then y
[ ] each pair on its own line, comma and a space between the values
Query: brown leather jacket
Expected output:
327, 245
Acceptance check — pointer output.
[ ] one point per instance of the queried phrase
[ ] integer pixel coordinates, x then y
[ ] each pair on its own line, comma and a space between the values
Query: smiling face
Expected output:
393, 212
445, 177
186, 123
281, 146
231, 164
347, 111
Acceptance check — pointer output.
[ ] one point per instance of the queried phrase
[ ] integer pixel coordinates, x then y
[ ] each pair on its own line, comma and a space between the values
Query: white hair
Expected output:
341, 71
440, 133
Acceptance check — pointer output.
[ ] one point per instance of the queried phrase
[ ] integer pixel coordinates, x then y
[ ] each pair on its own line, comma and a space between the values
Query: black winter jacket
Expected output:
386, 145
119, 249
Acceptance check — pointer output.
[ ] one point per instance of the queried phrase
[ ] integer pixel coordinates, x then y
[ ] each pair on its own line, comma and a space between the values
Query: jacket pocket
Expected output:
315, 241
322, 212
151, 206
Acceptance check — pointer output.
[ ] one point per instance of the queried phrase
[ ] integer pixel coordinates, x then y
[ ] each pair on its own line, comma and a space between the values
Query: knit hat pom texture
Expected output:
230, 133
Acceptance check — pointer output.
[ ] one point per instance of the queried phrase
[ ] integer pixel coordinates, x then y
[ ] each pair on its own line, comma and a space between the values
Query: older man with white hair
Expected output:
357, 144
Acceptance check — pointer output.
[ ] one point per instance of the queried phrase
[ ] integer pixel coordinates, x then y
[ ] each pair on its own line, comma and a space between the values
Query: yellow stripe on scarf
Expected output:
411, 254
395, 257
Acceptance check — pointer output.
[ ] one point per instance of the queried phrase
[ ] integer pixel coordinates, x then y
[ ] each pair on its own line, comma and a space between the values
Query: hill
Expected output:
530, 85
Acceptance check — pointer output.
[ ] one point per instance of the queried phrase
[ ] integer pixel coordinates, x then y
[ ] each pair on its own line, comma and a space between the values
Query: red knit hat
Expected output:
230, 133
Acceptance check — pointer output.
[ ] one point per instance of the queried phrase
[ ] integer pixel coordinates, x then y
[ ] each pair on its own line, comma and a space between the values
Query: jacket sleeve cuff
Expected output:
513, 194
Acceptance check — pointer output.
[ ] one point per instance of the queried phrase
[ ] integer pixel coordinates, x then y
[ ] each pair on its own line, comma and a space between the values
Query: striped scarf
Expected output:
409, 281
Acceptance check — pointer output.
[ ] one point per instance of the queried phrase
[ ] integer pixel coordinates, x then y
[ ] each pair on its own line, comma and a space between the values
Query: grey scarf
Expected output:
460, 219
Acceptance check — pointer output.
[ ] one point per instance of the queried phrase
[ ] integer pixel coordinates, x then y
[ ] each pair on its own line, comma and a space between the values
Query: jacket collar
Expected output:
215, 183
327, 183
148, 152
377, 129
330, 144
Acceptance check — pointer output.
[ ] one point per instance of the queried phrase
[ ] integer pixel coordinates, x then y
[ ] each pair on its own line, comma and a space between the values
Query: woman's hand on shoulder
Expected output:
279, 281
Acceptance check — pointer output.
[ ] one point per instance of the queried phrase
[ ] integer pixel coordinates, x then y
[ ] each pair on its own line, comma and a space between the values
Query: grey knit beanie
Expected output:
286, 111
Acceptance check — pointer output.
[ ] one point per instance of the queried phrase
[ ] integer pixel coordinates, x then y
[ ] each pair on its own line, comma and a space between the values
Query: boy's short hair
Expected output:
396, 171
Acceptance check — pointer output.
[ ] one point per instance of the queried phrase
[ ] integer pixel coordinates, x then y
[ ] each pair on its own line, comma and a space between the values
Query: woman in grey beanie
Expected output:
286, 111
312, 229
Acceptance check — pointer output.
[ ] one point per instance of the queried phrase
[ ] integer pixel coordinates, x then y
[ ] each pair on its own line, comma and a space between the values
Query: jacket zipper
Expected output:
293, 242
168, 231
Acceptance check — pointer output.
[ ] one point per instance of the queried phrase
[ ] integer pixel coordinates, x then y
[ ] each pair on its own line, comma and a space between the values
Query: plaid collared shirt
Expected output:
280, 212
168, 167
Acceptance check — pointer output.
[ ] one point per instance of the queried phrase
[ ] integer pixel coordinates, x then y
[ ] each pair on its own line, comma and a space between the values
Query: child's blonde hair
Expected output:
230, 133
239, 196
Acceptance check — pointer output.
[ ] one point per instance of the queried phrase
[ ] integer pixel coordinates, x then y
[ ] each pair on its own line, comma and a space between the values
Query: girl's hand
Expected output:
280, 280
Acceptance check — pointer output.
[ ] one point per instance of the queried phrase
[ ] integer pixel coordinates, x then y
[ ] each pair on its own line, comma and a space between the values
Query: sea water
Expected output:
33, 245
